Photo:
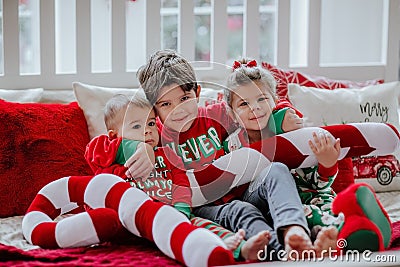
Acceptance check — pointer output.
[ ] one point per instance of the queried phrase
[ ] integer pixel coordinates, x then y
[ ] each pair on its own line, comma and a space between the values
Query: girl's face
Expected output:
252, 105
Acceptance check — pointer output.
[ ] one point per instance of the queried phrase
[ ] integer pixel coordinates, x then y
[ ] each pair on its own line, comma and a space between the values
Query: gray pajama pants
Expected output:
270, 203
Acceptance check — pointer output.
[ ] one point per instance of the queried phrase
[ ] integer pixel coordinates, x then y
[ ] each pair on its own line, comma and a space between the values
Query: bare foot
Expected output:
233, 241
326, 239
251, 248
296, 241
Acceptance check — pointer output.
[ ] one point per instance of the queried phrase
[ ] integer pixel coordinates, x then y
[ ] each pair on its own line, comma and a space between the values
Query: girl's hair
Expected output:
119, 103
246, 71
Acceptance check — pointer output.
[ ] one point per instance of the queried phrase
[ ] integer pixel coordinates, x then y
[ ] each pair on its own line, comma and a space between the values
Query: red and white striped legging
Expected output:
115, 202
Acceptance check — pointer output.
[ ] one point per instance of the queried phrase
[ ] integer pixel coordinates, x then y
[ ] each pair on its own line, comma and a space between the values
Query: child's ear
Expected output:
198, 90
112, 134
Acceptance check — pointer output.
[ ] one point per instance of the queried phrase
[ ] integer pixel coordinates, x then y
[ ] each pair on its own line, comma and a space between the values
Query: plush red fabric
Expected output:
283, 77
38, 144
135, 252
395, 241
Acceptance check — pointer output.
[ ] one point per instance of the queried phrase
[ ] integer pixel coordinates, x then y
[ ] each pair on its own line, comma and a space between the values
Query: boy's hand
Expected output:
326, 151
141, 163
291, 121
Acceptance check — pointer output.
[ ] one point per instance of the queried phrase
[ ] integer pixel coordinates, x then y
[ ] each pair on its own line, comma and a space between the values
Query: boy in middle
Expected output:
132, 122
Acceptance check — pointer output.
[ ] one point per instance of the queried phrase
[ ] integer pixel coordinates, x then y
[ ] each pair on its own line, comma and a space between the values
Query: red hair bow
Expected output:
250, 64
236, 64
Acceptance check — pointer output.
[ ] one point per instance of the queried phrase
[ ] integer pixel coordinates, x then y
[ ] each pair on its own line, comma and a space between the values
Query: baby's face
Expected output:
252, 105
176, 108
139, 124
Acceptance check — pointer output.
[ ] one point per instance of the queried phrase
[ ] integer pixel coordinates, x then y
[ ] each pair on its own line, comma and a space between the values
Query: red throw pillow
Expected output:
284, 77
39, 143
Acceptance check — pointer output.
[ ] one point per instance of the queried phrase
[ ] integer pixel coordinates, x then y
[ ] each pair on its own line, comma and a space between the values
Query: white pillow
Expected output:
375, 103
62, 96
92, 99
21, 95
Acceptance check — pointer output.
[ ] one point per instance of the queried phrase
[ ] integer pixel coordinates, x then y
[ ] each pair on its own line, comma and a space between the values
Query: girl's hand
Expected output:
325, 149
141, 163
291, 121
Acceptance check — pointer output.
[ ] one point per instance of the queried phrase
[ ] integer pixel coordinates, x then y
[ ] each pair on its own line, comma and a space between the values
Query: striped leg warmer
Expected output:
169, 229
83, 229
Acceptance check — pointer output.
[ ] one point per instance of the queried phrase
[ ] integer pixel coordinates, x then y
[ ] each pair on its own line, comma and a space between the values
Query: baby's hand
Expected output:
326, 151
141, 163
291, 121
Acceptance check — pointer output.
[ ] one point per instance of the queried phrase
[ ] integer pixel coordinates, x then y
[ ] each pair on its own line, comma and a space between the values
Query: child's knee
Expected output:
241, 207
278, 167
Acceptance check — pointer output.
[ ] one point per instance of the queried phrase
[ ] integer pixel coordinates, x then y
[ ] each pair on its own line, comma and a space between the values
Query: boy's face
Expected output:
139, 124
176, 108
252, 105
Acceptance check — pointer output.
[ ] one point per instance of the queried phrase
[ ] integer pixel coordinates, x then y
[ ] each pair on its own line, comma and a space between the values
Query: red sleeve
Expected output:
286, 104
219, 112
181, 191
100, 155
159, 129
327, 172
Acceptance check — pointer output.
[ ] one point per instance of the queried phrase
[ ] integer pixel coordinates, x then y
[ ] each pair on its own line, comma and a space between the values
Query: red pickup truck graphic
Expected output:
383, 168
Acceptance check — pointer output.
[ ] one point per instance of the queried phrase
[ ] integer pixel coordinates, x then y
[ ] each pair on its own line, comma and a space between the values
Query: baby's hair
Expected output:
246, 71
165, 67
119, 103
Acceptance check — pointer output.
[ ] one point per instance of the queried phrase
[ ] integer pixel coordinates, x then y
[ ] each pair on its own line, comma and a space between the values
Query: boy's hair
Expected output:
119, 103
246, 71
165, 67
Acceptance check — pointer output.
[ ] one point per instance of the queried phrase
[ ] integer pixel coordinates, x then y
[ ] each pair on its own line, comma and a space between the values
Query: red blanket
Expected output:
133, 252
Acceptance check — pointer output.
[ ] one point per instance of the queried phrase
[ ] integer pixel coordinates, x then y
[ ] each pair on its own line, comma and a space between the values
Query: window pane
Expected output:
356, 35
169, 24
235, 2
235, 37
267, 2
65, 36
135, 47
101, 35
1, 40
203, 37
267, 30
169, 3
202, 3
169, 34
29, 34
235, 30
299, 10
